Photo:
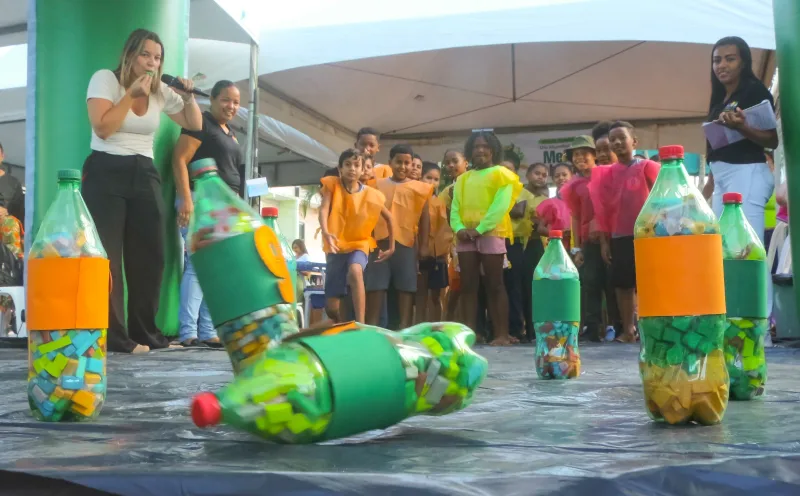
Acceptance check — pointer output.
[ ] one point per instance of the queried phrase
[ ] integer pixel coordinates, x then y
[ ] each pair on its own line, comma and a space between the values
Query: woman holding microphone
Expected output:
122, 188
215, 140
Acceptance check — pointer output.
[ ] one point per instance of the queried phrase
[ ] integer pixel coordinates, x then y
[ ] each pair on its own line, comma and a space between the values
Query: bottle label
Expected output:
77, 299
746, 288
680, 275
367, 378
236, 279
556, 300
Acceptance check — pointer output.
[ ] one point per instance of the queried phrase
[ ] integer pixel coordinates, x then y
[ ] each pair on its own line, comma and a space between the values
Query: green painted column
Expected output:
787, 38
68, 41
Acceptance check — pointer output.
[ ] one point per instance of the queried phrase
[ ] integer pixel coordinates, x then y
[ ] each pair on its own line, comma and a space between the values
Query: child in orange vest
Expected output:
432, 277
348, 215
407, 200
368, 142
455, 164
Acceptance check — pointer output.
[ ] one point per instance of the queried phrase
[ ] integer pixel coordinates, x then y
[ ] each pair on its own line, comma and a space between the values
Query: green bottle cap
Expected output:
199, 167
69, 175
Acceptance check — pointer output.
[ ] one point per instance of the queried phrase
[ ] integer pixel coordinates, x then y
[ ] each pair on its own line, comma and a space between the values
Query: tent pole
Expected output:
513, 73
787, 38
251, 150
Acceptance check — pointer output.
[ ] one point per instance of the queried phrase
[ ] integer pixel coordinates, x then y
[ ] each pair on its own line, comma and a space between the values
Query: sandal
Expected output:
213, 343
190, 343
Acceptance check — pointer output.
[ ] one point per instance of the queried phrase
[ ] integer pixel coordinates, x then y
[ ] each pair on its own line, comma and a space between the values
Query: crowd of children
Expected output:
466, 251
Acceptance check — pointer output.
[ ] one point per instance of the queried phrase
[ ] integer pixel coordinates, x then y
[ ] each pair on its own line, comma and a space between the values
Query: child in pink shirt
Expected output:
618, 195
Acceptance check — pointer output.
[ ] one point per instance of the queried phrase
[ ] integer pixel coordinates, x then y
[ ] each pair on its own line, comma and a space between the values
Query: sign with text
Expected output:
547, 147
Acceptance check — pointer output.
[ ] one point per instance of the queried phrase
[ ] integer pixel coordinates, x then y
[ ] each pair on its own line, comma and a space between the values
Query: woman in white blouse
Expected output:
122, 188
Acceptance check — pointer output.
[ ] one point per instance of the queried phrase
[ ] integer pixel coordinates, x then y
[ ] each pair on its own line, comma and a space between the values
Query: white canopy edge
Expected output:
336, 31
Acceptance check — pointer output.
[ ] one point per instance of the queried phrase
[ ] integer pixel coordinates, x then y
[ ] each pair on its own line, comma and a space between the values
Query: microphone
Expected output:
176, 83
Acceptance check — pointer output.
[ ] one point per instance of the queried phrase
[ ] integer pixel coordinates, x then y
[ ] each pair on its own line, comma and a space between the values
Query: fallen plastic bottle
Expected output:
334, 383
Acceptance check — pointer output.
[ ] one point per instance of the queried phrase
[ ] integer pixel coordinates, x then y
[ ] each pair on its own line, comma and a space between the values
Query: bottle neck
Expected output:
69, 185
205, 176
673, 169
270, 221
734, 209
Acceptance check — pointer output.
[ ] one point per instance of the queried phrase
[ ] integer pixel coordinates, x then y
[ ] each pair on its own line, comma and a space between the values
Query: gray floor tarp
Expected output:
521, 436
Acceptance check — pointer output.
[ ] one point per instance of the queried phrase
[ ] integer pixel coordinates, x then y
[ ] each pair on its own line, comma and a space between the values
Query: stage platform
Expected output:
522, 436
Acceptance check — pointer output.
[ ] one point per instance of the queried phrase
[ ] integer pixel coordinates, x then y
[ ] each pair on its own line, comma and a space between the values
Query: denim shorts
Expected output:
337, 268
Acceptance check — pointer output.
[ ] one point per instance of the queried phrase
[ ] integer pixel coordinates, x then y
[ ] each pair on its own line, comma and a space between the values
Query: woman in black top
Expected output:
742, 166
216, 140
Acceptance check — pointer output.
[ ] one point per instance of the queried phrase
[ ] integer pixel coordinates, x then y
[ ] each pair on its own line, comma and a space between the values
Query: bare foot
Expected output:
501, 341
626, 338
140, 348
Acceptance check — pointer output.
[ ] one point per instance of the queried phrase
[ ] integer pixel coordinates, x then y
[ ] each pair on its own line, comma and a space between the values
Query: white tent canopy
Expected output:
517, 65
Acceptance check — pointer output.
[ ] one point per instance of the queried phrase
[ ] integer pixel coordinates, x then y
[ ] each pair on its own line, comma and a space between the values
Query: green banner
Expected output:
229, 297
556, 300
367, 378
746, 288
61, 30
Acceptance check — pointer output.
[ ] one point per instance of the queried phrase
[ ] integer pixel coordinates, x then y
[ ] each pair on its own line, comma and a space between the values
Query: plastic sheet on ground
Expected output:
521, 436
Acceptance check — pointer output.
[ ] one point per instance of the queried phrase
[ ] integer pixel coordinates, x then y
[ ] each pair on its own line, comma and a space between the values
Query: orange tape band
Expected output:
340, 328
680, 275
67, 293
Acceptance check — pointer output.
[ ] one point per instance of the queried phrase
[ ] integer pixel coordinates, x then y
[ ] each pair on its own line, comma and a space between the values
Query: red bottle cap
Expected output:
732, 198
670, 152
555, 234
206, 410
269, 211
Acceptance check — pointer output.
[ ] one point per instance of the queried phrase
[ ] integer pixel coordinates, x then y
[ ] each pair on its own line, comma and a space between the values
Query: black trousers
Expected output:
514, 278
123, 194
596, 282
533, 253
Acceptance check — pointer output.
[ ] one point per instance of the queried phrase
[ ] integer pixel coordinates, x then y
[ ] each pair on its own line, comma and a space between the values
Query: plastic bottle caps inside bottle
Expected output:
670, 152
732, 198
206, 410
269, 211
555, 234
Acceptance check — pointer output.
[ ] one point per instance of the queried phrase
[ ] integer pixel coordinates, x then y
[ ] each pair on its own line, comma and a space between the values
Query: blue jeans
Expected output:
195, 321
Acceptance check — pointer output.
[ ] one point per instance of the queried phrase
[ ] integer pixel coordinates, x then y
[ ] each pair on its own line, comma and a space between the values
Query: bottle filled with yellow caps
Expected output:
681, 300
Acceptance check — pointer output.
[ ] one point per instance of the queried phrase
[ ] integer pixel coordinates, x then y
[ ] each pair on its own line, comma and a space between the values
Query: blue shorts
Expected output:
337, 268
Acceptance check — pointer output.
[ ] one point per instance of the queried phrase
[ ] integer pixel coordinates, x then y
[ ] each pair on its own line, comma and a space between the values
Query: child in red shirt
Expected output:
618, 195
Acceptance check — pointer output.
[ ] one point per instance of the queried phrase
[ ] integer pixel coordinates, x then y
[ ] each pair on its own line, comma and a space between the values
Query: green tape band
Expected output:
556, 300
367, 379
746, 288
235, 280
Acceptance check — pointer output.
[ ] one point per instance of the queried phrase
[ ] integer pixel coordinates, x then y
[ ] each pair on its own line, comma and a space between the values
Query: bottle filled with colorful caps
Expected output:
67, 310
556, 294
681, 300
270, 215
240, 267
337, 382
745, 263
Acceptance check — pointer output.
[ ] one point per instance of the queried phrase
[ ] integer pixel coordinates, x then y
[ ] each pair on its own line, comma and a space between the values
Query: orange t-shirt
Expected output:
382, 171
441, 235
353, 216
405, 201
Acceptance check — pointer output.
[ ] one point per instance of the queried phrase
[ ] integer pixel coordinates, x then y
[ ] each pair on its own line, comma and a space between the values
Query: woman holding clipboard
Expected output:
741, 166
